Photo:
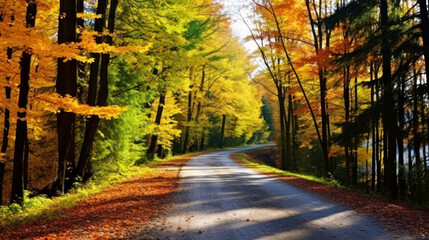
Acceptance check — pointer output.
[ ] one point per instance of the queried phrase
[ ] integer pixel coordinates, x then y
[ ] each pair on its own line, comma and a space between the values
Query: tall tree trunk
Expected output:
222, 133
103, 92
292, 123
389, 115
17, 193
377, 135
325, 147
424, 122
356, 139
202, 140
417, 139
283, 153
346, 93
92, 122
66, 84
288, 137
188, 121
154, 139
401, 112
6, 127
373, 129
424, 26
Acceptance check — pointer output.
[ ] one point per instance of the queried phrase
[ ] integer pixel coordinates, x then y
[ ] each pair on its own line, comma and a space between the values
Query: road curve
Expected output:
220, 199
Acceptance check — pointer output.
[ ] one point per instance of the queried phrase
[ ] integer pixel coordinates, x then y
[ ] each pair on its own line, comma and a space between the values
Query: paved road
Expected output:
220, 199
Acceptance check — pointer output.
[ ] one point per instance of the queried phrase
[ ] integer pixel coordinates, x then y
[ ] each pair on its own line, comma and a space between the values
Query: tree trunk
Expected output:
103, 93
202, 140
346, 93
325, 148
222, 134
356, 139
66, 85
288, 138
17, 193
292, 122
377, 136
159, 151
424, 26
417, 139
92, 122
282, 128
389, 115
373, 139
153, 142
6, 127
189, 119
401, 112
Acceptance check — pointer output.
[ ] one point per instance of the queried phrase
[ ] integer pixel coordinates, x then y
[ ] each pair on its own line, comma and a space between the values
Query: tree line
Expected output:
95, 86
348, 80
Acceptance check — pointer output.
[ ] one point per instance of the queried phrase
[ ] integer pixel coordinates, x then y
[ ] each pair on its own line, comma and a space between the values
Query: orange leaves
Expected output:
322, 59
54, 102
116, 212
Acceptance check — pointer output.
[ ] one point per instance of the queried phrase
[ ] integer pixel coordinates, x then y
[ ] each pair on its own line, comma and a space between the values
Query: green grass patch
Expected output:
263, 168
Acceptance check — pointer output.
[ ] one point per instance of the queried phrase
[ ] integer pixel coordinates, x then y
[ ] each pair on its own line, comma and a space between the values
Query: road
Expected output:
220, 199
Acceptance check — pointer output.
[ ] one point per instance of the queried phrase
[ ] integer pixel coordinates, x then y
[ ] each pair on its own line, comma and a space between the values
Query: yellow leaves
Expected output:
54, 102
89, 16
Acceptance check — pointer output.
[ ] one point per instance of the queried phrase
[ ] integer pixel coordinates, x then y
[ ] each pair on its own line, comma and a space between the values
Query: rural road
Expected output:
220, 199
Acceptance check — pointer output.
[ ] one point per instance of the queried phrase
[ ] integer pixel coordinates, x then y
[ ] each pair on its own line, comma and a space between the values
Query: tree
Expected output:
17, 194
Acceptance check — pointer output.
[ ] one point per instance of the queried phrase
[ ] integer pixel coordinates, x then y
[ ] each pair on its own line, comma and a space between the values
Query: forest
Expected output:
97, 86
348, 83
111, 84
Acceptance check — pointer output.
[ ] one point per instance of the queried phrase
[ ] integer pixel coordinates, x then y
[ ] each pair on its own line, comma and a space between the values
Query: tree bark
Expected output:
377, 135
66, 85
373, 139
154, 139
401, 112
17, 193
189, 119
222, 133
103, 92
356, 139
346, 94
202, 140
389, 115
424, 26
417, 139
6, 127
283, 151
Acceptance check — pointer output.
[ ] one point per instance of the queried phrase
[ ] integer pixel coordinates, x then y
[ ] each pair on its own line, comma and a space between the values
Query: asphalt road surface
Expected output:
220, 199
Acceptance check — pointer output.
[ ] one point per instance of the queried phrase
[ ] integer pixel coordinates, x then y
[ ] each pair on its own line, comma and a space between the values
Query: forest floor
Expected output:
112, 214
391, 215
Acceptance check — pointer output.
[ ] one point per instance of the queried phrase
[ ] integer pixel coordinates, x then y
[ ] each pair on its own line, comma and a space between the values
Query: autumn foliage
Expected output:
92, 87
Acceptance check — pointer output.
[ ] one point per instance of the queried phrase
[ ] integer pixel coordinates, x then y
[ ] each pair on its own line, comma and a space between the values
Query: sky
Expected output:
233, 8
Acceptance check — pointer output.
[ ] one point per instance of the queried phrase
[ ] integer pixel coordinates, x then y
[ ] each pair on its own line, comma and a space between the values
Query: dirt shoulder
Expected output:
393, 216
114, 213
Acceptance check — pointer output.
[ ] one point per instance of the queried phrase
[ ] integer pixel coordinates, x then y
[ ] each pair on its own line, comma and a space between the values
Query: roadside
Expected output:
112, 213
392, 216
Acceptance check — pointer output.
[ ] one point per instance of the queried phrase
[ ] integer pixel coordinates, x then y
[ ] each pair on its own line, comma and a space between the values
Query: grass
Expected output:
41, 206
247, 161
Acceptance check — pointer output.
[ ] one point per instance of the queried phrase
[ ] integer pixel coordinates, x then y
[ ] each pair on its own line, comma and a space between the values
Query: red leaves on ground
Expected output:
112, 214
391, 215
